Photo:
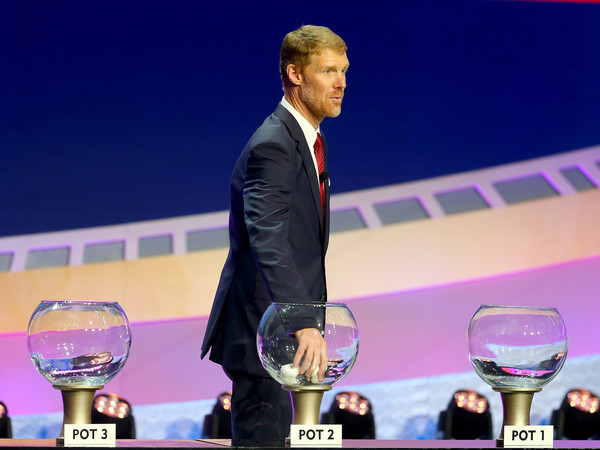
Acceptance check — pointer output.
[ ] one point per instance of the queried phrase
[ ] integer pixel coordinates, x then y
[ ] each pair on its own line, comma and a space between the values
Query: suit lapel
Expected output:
326, 222
306, 153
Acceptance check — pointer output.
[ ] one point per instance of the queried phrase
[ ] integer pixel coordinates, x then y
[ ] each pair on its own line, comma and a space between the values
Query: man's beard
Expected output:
320, 106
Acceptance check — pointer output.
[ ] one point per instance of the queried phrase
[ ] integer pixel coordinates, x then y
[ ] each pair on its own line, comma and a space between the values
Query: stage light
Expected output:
110, 408
5, 424
354, 413
467, 417
217, 425
578, 417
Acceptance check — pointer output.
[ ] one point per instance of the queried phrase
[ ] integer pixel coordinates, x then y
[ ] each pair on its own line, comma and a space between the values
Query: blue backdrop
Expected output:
113, 112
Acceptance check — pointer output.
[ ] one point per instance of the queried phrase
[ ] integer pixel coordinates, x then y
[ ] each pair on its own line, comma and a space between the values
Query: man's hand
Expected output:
312, 346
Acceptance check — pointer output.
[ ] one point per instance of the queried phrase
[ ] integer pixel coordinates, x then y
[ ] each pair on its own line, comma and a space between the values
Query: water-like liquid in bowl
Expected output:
530, 376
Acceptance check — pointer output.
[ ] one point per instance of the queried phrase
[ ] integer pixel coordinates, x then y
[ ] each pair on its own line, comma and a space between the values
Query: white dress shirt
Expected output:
309, 132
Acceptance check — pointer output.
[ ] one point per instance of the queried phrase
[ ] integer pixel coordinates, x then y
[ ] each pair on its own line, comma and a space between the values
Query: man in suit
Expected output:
279, 232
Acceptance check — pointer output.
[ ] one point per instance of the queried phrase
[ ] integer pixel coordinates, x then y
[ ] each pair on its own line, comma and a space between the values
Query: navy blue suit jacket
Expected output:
278, 240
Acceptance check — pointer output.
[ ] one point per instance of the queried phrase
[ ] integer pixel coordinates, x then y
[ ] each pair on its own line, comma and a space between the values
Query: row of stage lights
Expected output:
467, 417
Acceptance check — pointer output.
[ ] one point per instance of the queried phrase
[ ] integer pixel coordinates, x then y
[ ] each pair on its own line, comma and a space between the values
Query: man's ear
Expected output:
294, 74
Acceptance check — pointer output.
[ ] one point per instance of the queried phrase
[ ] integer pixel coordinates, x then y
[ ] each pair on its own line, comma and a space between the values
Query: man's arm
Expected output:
270, 183
268, 191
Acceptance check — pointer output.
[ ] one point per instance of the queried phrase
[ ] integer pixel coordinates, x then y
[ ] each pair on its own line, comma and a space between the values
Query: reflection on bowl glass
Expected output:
517, 347
277, 344
78, 342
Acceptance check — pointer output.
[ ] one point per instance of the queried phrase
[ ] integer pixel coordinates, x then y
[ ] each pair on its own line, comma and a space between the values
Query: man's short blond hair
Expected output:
300, 45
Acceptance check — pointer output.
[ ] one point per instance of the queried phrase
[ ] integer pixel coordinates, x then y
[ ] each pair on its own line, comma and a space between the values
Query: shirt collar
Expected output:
309, 132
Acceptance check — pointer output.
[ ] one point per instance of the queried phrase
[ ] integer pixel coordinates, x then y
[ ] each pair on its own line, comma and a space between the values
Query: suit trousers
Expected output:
261, 411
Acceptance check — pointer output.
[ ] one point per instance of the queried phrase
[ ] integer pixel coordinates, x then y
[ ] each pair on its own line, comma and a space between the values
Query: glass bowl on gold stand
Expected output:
78, 346
277, 346
517, 350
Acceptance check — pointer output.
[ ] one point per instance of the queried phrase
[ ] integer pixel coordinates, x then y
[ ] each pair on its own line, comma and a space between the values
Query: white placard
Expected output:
97, 435
316, 435
531, 436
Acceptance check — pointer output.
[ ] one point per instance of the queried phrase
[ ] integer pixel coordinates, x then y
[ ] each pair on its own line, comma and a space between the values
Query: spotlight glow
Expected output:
353, 403
471, 401
583, 400
112, 405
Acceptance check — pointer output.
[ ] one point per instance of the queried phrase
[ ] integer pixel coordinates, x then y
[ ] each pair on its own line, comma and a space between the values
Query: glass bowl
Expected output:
521, 347
277, 343
78, 343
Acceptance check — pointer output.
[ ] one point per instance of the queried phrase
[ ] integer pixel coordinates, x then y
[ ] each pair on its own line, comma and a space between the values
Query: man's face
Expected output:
323, 84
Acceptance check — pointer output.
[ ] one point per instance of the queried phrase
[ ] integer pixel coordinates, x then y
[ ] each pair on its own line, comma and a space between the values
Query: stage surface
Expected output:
348, 443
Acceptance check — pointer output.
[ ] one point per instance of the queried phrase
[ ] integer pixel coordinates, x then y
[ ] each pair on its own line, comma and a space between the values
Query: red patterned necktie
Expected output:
321, 164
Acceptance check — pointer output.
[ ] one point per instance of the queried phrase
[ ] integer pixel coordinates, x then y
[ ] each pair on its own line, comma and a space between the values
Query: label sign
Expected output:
103, 435
532, 436
316, 436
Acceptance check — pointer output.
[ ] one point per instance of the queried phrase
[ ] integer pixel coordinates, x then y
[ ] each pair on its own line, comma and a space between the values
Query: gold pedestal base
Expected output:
77, 406
516, 405
306, 401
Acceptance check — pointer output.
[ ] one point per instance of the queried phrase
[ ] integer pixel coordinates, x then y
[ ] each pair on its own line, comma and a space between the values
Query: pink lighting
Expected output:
430, 318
